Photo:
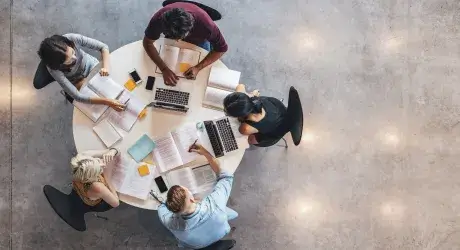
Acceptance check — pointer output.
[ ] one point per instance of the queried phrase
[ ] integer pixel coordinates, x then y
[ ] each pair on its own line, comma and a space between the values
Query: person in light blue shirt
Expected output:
197, 224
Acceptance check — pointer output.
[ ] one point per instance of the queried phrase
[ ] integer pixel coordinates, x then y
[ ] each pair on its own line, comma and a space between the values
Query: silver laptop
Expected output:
219, 136
175, 98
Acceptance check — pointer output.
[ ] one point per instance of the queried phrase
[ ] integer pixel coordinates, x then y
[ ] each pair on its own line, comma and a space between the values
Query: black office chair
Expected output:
71, 208
214, 14
221, 245
292, 123
42, 77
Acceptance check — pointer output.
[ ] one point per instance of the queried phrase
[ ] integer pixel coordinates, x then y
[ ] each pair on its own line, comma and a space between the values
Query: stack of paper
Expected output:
107, 133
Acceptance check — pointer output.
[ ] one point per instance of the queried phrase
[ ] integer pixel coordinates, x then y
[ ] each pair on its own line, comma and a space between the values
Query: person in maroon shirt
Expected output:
187, 22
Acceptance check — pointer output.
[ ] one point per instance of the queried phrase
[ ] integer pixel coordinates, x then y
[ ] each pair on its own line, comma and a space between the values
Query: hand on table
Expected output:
108, 157
117, 106
104, 72
169, 77
197, 148
191, 72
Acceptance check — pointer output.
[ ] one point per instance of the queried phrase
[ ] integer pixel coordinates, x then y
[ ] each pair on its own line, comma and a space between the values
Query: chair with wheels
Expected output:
214, 14
221, 245
292, 123
42, 77
71, 208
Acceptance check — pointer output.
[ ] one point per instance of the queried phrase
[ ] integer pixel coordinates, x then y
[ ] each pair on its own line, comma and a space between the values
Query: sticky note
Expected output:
130, 85
142, 114
143, 170
184, 67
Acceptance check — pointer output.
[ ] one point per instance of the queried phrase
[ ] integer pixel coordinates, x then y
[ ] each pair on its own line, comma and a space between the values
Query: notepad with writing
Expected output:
128, 117
171, 150
98, 86
178, 59
126, 178
107, 133
221, 83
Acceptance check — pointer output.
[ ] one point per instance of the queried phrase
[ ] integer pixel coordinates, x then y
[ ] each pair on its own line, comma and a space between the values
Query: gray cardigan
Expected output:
81, 68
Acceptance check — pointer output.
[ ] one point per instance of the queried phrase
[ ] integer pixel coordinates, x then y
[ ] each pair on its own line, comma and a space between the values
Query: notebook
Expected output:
171, 150
107, 133
141, 148
177, 59
98, 86
197, 180
126, 178
127, 118
221, 83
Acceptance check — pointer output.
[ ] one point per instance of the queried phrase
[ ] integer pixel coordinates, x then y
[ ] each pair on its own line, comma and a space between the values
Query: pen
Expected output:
190, 149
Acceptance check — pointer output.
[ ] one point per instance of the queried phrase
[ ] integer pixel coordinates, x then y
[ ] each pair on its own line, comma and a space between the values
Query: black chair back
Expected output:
42, 77
221, 245
214, 14
70, 207
295, 116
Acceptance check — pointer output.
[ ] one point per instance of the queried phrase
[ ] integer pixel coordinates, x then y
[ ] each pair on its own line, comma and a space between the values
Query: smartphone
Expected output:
135, 76
150, 83
161, 184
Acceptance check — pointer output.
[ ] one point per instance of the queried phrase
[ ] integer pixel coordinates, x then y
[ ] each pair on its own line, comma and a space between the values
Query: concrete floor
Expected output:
377, 168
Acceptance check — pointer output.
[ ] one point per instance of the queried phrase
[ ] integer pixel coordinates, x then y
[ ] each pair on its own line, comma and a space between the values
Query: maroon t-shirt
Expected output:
203, 29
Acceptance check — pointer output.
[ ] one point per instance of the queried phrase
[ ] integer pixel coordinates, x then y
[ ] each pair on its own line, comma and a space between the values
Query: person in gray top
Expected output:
70, 65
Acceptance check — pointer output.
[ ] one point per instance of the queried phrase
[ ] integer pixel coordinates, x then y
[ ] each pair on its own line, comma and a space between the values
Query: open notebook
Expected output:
198, 180
126, 119
126, 179
221, 83
98, 86
171, 151
177, 59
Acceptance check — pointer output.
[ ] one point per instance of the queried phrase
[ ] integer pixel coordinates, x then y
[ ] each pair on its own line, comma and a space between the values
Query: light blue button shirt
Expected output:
209, 222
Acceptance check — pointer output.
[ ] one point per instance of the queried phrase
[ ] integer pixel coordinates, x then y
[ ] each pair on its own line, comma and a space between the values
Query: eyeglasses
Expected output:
157, 197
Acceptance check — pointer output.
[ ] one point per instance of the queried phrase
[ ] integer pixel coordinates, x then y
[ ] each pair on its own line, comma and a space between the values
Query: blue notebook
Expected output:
141, 148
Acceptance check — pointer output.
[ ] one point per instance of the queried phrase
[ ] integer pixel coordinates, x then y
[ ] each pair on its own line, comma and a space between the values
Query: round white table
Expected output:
156, 122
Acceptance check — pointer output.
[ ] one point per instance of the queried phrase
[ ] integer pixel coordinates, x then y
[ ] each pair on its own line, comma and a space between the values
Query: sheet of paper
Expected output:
126, 178
186, 59
184, 136
107, 133
183, 177
205, 178
214, 98
126, 119
225, 79
93, 111
118, 171
141, 148
105, 86
166, 154
170, 55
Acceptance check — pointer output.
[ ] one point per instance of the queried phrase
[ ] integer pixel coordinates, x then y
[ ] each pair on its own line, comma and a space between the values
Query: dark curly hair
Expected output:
177, 23
53, 49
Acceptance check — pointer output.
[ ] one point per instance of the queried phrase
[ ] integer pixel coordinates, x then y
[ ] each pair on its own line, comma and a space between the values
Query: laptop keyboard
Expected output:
226, 134
214, 138
172, 96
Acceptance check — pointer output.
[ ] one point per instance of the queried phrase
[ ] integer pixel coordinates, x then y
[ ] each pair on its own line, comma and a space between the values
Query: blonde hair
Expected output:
85, 168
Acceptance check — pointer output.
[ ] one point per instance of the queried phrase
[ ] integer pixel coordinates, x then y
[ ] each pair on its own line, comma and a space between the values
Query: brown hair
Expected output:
175, 200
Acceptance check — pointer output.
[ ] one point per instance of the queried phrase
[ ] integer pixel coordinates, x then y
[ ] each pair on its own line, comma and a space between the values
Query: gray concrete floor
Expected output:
377, 168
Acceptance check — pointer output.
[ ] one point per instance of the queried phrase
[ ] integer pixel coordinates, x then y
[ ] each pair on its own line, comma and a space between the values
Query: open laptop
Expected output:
176, 98
218, 136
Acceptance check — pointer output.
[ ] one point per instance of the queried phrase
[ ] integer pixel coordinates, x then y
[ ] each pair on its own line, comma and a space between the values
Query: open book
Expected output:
198, 180
171, 151
126, 119
98, 86
107, 133
126, 179
177, 59
221, 83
